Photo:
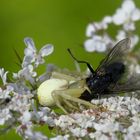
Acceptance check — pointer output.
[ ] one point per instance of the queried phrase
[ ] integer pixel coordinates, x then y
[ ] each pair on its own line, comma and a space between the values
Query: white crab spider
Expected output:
62, 90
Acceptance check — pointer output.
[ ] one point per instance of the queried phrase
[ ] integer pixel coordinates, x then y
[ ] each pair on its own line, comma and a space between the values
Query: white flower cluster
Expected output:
18, 95
32, 60
125, 17
119, 119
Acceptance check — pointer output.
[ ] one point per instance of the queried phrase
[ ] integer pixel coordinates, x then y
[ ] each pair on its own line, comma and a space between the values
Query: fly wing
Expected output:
130, 81
117, 54
129, 85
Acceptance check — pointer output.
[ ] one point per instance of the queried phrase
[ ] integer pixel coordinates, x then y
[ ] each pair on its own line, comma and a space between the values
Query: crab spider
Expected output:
63, 91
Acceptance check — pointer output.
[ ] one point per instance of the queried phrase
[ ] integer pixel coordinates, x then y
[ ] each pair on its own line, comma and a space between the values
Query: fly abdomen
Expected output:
116, 70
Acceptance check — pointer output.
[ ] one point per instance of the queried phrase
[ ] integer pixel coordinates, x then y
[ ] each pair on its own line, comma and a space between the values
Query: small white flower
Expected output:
3, 75
134, 40
121, 35
137, 69
27, 73
130, 26
119, 17
128, 5
31, 55
59, 137
20, 103
64, 122
98, 43
107, 19
126, 15
4, 116
46, 50
136, 15
100, 47
26, 117
90, 30
89, 45
78, 132
95, 135
6, 93
30, 134
98, 126
95, 44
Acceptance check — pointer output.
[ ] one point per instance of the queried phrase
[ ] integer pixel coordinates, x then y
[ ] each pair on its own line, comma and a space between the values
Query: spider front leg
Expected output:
63, 76
68, 98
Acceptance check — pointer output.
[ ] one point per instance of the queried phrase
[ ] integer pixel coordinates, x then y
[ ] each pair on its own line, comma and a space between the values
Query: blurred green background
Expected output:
59, 22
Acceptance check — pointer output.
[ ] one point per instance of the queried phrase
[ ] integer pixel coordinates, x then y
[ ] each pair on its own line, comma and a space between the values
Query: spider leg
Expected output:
63, 76
69, 104
70, 96
58, 101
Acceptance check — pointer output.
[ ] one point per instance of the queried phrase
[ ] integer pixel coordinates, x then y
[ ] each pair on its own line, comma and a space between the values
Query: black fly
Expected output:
107, 78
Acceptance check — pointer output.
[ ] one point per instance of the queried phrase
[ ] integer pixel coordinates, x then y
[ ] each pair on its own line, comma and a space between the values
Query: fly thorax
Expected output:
97, 84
